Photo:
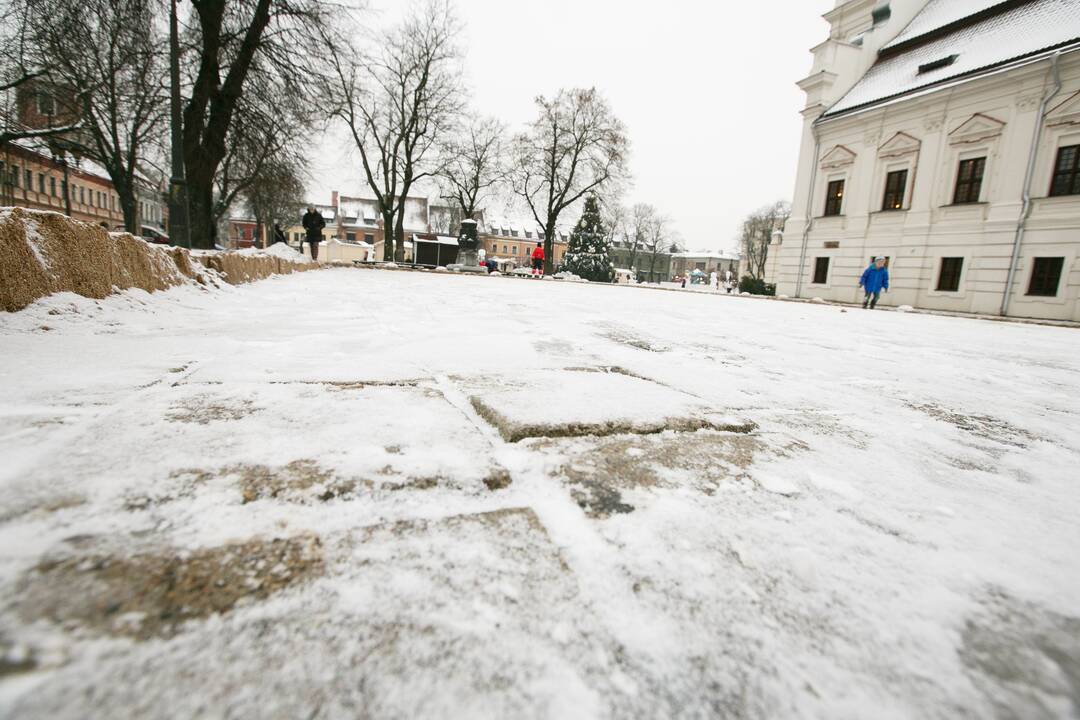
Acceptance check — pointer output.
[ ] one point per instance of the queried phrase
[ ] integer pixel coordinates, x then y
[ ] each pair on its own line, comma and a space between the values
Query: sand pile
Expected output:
46, 252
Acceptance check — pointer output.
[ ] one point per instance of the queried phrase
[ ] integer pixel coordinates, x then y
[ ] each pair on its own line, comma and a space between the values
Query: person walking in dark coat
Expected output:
313, 223
874, 279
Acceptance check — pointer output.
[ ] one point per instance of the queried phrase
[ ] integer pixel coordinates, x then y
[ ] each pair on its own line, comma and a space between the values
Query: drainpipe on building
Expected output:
1025, 210
809, 210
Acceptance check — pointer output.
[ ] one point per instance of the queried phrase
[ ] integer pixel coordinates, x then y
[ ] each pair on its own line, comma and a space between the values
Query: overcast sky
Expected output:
707, 91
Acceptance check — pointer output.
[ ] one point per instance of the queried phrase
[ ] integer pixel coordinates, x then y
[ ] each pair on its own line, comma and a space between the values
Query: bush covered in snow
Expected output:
756, 286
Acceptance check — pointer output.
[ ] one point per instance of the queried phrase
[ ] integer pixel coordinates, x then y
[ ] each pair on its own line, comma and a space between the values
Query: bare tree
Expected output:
474, 164
640, 225
399, 106
756, 234
267, 140
658, 239
286, 42
275, 195
575, 146
21, 75
104, 68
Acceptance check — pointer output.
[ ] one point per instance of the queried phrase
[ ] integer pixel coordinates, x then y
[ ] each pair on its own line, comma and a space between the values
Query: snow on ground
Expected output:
294, 499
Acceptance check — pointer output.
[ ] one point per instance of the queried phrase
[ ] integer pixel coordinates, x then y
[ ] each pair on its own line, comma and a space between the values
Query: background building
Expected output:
646, 265
515, 240
945, 136
686, 262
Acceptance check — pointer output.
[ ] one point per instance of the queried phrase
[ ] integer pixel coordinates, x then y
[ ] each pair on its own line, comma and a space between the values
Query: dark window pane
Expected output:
1045, 276
821, 270
949, 277
969, 180
1066, 180
834, 197
895, 187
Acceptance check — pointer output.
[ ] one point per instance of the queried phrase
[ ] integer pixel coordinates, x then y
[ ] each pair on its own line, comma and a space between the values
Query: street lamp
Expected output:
179, 230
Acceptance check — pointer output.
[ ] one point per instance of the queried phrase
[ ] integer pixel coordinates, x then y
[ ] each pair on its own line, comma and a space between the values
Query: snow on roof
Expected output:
1009, 35
937, 14
440, 239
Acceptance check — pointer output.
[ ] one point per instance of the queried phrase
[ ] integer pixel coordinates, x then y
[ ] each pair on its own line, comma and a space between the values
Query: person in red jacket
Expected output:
538, 260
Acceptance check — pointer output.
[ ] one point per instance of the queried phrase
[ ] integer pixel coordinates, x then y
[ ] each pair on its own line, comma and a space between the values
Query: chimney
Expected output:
334, 199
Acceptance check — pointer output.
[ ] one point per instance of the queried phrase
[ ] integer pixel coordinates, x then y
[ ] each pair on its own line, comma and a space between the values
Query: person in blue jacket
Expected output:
874, 279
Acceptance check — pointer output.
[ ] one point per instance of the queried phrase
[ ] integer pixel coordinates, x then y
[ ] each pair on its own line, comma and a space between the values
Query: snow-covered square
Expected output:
360, 493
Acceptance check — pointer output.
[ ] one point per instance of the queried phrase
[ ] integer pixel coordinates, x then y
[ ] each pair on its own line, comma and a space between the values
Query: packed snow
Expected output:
293, 499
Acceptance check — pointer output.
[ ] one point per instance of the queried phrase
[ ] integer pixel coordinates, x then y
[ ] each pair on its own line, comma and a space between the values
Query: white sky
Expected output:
706, 89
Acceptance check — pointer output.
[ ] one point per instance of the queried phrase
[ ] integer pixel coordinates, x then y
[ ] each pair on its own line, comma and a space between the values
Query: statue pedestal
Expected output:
468, 250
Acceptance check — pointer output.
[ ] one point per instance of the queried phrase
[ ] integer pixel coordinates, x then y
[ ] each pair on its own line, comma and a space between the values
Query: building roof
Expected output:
938, 14
954, 40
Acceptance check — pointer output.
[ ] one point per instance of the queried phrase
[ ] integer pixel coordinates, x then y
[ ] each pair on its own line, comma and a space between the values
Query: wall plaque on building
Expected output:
830, 244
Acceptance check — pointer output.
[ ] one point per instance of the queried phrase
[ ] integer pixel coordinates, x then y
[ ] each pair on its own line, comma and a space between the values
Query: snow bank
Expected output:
278, 250
42, 253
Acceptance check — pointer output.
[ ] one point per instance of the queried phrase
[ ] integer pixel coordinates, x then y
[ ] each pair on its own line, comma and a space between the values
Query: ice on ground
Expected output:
832, 514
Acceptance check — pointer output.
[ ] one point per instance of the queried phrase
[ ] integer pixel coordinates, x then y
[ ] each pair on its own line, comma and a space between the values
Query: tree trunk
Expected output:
549, 246
128, 206
388, 236
201, 213
399, 239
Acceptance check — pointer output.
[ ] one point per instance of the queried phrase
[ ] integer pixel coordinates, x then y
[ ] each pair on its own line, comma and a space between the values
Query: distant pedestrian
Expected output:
313, 223
279, 234
714, 280
875, 278
729, 281
538, 260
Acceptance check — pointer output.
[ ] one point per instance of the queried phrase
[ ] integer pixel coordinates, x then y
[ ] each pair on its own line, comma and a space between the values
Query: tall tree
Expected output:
474, 164
286, 42
574, 147
659, 239
588, 254
639, 227
398, 106
275, 195
104, 67
267, 139
756, 234
21, 72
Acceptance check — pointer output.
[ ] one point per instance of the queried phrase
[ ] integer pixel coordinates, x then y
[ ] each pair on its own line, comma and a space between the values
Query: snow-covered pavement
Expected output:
351, 494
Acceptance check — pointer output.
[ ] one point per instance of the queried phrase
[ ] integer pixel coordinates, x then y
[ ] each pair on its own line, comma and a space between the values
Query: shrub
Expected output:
756, 286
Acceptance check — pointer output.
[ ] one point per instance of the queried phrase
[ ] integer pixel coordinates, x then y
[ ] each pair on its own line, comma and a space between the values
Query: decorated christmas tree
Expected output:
587, 253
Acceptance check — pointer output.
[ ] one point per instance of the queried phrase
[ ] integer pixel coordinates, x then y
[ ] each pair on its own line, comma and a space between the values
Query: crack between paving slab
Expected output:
592, 561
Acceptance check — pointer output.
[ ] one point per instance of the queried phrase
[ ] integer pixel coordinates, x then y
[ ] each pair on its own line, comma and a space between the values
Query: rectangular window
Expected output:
82, 195
895, 187
45, 104
834, 197
969, 181
15, 176
29, 178
948, 279
52, 186
514, 250
821, 270
370, 239
350, 237
41, 183
63, 188
1066, 172
1045, 276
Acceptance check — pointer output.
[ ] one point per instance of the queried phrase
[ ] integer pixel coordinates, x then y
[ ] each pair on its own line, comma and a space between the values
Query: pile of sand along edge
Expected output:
45, 252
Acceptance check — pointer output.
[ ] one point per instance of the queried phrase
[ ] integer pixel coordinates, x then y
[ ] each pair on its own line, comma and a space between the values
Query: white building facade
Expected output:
945, 136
